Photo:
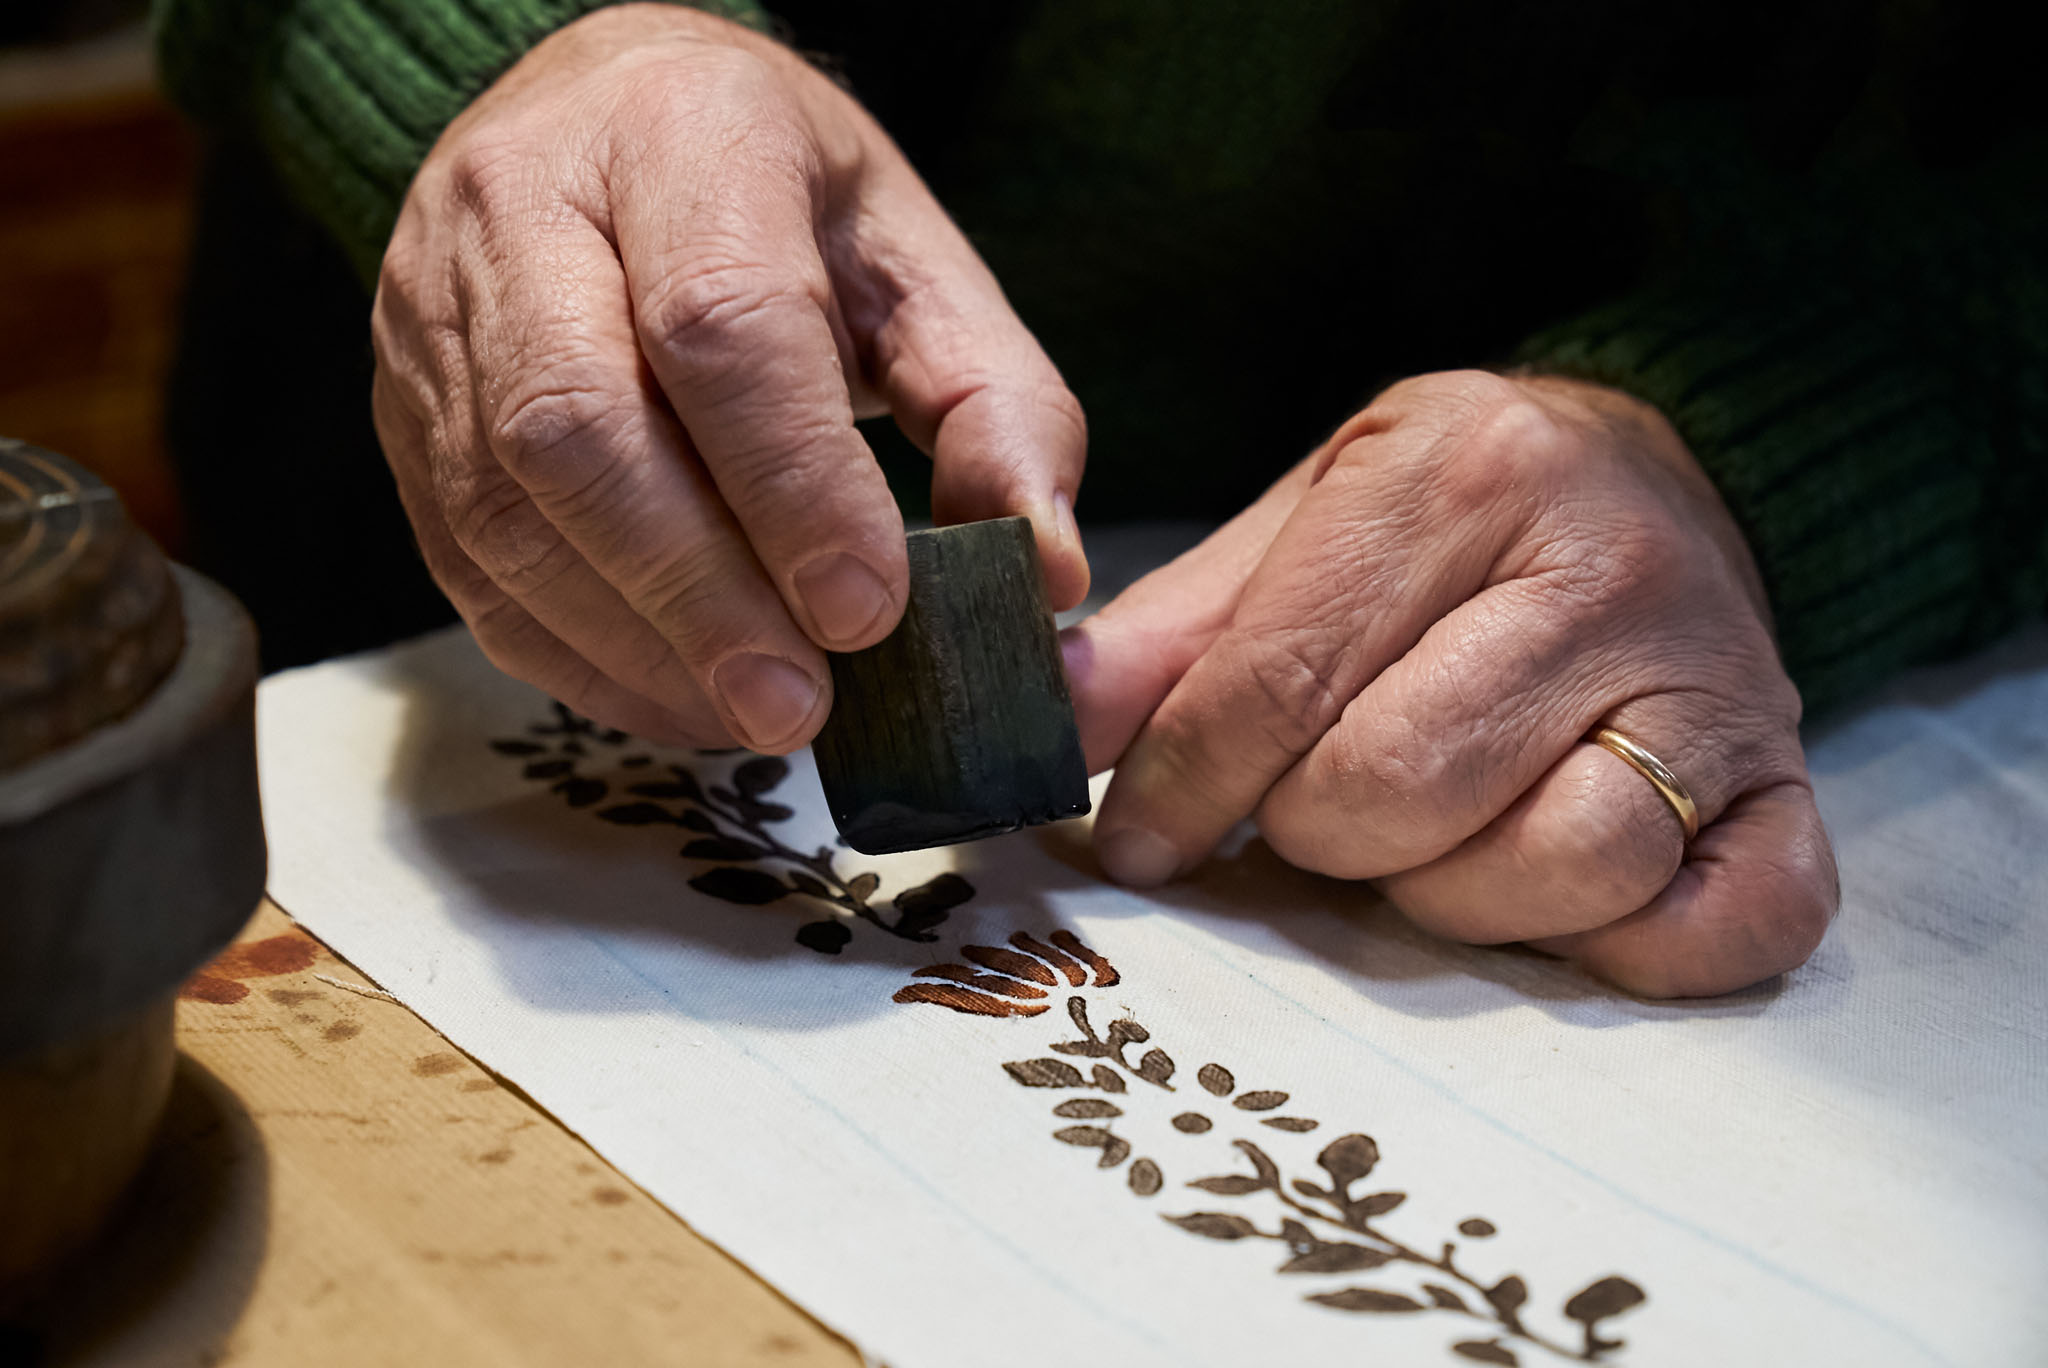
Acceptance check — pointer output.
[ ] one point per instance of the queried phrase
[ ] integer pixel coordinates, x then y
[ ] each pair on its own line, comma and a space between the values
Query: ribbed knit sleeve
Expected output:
347, 96
1876, 418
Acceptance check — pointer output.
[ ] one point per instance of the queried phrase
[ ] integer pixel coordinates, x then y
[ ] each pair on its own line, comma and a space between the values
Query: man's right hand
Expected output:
637, 295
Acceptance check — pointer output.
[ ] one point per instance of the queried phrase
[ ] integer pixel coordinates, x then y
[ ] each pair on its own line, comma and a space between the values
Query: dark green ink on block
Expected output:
958, 724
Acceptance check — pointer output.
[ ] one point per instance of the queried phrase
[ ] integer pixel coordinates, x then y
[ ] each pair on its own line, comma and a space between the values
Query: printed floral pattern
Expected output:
729, 828
1331, 1226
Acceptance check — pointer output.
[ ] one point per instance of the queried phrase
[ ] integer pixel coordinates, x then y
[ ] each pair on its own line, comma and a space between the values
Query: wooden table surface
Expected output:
336, 1183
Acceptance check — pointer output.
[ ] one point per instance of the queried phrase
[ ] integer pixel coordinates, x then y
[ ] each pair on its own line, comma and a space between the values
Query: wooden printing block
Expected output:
957, 724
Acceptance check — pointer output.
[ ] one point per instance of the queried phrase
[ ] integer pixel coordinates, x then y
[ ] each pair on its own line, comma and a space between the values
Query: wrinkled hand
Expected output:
1392, 661
636, 297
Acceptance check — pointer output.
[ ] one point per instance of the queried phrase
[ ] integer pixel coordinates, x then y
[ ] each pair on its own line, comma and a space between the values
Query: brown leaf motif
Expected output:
1367, 1299
1215, 1225
1010, 980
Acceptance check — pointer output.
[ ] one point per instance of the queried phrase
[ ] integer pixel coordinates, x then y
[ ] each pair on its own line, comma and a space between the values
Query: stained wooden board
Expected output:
337, 1184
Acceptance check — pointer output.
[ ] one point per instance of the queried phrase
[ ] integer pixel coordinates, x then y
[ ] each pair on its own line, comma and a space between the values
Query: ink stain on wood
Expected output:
496, 1156
610, 1196
282, 954
293, 997
436, 1064
472, 1085
341, 1030
212, 988
220, 982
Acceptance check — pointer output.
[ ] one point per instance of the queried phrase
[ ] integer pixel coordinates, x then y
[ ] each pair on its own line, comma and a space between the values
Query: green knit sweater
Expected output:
1812, 234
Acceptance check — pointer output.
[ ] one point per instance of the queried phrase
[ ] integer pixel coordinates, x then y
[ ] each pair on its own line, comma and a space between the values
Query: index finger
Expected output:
730, 299
1367, 561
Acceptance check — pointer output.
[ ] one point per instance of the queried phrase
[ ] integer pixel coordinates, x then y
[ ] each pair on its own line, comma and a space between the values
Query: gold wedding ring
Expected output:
1657, 772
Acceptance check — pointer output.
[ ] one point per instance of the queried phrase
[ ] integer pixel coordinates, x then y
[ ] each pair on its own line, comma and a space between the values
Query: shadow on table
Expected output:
166, 1281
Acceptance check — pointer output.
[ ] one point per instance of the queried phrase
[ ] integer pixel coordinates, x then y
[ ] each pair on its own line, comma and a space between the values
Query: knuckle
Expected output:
508, 538
1411, 780
690, 600
1468, 388
1293, 681
488, 174
540, 412
790, 463
1629, 562
1512, 449
684, 84
1380, 797
1617, 845
702, 303
1391, 758
1522, 430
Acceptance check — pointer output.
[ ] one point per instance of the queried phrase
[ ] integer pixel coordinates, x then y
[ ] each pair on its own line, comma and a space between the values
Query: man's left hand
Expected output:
1393, 660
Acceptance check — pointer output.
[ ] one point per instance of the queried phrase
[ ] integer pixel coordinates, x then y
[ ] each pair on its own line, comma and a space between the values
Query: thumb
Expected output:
1123, 661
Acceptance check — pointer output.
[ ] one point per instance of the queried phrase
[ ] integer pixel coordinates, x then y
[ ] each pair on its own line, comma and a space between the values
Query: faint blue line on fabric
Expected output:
1174, 932
1966, 741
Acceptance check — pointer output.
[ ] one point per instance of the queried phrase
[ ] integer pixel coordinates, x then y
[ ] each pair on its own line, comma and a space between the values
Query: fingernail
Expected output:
769, 697
1067, 546
844, 595
1138, 857
1063, 519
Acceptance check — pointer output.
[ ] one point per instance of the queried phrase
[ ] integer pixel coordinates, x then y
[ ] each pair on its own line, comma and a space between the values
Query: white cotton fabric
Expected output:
1850, 1166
